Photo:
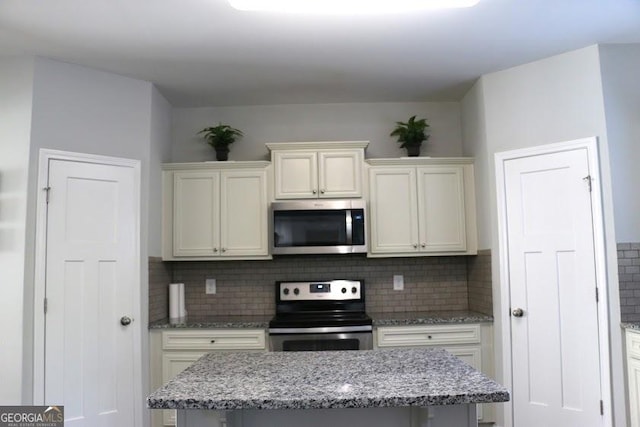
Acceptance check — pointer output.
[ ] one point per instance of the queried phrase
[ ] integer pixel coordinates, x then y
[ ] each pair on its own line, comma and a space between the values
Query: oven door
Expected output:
321, 341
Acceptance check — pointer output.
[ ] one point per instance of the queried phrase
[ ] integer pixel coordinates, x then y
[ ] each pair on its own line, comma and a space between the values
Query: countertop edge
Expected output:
379, 319
634, 326
496, 397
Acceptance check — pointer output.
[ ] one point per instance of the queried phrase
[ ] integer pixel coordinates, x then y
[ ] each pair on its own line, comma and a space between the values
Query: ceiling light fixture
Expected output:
347, 7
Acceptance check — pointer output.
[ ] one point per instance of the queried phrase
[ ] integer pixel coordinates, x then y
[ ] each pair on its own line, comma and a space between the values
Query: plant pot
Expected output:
413, 150
222, 153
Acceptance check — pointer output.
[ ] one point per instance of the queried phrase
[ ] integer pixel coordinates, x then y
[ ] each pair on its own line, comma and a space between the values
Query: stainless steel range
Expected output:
319, 316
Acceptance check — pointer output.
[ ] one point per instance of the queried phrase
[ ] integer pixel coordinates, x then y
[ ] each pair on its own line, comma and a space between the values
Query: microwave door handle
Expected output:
349, 227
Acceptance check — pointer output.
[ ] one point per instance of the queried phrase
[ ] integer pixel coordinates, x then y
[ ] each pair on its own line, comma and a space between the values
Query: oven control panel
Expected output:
333, 290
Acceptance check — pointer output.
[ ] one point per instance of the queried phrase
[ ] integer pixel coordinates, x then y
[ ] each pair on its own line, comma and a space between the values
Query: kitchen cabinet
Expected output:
633, 374
173, 351
421, 206
215, 211
470, 342
310, 170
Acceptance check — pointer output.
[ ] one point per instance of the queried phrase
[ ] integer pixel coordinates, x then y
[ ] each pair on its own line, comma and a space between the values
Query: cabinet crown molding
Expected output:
316, 145
216, 165
412, 161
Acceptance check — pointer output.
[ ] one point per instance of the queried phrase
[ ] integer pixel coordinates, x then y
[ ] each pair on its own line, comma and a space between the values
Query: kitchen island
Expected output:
402, 387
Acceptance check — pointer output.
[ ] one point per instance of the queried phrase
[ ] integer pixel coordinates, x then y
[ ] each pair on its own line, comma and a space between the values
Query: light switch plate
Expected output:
210, 286
398, 282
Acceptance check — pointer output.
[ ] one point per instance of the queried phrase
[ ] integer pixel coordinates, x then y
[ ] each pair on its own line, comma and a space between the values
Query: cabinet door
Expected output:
441, 208
340, 173
393, 208
471, 355
196, 213
243, 212
633, 365
296, 174
633, 368
172, 364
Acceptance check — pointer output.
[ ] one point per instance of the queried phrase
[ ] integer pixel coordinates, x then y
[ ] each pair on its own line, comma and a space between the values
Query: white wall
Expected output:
160, 152
315, 122
552, 100
474, 144
60, 106
16, 93
620, 66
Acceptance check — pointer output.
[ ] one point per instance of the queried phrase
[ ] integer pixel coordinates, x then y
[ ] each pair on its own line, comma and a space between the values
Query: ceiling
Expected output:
204, 53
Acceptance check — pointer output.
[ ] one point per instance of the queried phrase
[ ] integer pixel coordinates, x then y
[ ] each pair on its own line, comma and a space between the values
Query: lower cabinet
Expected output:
172, 351
473, 343
633, 369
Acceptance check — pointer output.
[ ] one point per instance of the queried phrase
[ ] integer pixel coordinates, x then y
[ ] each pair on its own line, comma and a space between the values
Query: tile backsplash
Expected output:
160, 275
629, 278
247, 287
431, 283
479, 282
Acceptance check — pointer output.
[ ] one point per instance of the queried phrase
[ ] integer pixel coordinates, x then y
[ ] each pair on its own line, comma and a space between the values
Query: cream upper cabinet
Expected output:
421, 207
309, 170
441, 211
215, 211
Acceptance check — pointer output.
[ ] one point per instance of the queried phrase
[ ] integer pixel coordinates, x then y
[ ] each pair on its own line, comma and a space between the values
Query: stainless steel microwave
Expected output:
318, 227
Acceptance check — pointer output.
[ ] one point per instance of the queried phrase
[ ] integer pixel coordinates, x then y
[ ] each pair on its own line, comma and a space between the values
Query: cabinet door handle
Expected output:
415, 246
322, 191
215, 250
424, 245
213, 341
224, 249
314, 191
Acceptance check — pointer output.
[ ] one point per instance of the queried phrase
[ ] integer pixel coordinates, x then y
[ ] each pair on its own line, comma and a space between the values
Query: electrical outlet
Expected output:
398, 282
210, 286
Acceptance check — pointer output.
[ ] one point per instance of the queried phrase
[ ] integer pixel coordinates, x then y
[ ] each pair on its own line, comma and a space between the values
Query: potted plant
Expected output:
411, 134
219, 137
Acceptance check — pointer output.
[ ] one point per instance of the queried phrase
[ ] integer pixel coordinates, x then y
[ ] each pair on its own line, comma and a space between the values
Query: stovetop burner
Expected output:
295, 320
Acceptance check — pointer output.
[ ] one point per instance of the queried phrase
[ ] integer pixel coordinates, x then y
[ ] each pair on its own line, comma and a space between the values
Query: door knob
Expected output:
518, 312
125, 320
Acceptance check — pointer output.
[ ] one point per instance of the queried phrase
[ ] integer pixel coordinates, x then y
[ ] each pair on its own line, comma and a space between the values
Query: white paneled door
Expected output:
91, 286
552, 279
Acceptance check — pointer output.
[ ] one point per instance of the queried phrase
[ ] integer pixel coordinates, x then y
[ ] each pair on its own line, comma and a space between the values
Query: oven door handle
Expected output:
321, 330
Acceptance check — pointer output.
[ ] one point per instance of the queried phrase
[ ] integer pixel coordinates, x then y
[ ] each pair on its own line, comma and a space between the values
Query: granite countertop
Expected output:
323, 380
631, 325
379, 319
428, 318
215, 322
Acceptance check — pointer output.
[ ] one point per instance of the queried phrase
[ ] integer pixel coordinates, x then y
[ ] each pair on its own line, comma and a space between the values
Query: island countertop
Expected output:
326, 380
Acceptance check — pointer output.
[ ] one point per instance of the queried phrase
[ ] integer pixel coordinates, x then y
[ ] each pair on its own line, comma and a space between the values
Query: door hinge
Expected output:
48, 190
597, 295
45, 305
601, 407
588, 180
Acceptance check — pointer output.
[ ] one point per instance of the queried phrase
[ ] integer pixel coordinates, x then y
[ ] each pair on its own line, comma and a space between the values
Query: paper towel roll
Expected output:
177, 309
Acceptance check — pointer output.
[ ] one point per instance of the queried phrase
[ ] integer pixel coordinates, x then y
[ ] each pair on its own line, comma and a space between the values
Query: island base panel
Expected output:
433, 416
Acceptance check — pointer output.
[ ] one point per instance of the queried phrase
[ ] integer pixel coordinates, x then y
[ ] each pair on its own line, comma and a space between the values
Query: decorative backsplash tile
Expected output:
247, 287
629, 279
160, 275
479, 282
431, 283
